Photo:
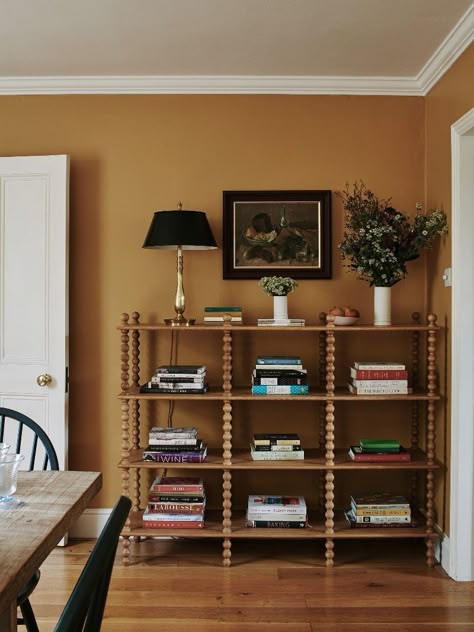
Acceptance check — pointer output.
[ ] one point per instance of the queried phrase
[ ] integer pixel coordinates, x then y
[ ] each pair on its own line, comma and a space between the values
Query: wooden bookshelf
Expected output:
325, 459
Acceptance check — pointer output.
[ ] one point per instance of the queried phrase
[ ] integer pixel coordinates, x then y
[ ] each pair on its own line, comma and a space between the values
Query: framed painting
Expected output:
281, 233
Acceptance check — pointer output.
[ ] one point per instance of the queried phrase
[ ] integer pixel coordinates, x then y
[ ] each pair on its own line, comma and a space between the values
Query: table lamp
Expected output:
183, 230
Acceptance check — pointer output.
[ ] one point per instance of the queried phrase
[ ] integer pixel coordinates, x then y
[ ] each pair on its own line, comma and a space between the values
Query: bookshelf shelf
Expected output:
324, 462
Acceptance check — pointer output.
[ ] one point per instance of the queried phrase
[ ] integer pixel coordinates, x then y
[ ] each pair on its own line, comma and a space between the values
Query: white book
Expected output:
381, 383
277, 455
220, 319
374, 366
378, 390
291, 517
276, 502
152, 440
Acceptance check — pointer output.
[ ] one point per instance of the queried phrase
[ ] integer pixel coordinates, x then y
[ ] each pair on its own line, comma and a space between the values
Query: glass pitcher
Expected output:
9, 464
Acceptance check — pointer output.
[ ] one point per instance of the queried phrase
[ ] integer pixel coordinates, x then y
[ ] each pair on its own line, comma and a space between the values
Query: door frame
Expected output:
461, 545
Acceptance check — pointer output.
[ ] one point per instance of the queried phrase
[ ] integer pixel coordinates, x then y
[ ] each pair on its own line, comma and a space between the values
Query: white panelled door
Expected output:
34, 235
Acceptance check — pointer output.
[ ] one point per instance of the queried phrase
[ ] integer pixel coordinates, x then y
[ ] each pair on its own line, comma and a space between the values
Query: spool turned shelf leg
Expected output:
125, 475
227, 517
430, 439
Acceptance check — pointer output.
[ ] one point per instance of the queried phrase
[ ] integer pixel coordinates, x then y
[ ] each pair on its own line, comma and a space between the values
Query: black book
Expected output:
155, 389
163, 447
195, 369
283, 380
279, 373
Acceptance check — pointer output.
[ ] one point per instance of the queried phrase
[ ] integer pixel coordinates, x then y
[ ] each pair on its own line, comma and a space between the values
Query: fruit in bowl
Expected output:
344, 315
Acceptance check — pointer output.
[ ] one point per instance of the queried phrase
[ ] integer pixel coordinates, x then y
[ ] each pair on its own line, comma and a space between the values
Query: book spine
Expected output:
276, 448
380, 383
276, 516
177, 376
155, 389
173, 380
168, 498
358, 507
154, 440
166, 457
278, 455
381, 512
180, 370
378, 390
395, 374
276, 439
271, 360
172, 524
160, 447
189, 489
279, 381
279, 373
281, 367
382, 458
276, 524
221, 319
293, 389
375, 366
379, 443
176, 508
223, 308
383, 519
165, 517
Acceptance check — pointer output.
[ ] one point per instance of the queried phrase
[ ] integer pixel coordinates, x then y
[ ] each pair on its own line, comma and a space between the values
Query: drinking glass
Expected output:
4, 447
9, 464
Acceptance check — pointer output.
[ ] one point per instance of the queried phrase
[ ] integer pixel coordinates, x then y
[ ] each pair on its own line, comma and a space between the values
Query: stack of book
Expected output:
213, 315
379, 378
175, 503
276, 447
382, 450
283, 512
379, 510
281, 322
174, 445
279, 375
177, 378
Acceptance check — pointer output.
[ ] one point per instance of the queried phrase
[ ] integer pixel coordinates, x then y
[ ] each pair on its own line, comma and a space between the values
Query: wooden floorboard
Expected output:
181, 586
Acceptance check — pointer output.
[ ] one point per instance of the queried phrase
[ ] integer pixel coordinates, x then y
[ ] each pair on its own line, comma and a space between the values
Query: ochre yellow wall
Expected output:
446, 103
132, 155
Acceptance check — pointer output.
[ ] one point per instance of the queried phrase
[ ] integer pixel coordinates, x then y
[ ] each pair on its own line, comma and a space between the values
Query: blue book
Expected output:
280, 389
278, 360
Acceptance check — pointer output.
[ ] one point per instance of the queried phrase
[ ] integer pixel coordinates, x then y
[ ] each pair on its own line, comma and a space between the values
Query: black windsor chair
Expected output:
27, 437
84, 609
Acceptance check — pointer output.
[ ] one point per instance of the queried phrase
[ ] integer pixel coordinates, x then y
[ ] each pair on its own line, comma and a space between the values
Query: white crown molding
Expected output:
450, 49
209, 85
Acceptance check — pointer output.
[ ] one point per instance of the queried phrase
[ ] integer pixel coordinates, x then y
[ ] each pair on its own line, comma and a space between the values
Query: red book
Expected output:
379, 374
173, 524
177, 484
357, 454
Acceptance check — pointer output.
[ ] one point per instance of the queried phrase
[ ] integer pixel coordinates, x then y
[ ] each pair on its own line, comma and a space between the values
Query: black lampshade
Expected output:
188, 229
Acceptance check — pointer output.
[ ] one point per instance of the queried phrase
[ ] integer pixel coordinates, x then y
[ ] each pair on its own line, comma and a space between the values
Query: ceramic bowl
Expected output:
345, 320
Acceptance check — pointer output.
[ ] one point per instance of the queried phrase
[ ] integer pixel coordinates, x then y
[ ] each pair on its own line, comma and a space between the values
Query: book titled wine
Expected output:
357, 454
177, 484
289, 389
175, 457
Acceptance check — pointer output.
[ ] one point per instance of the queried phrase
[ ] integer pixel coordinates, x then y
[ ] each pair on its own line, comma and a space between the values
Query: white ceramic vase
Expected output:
382, 306
280, 307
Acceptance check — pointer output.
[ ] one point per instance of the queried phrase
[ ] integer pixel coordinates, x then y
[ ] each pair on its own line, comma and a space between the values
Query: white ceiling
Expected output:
305, 45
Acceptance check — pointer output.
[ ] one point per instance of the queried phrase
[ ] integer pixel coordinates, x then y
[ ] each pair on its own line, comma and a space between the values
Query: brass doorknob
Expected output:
44, 380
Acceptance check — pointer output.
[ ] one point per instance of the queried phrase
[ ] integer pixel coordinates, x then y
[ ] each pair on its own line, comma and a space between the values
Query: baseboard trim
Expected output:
441, 549
90, 523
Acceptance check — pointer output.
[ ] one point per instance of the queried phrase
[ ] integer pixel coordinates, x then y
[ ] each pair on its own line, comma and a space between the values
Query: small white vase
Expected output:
280, 307
382, 306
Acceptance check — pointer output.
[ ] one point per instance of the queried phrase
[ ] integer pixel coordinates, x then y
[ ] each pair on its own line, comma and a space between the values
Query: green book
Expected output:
379, 443
224, 308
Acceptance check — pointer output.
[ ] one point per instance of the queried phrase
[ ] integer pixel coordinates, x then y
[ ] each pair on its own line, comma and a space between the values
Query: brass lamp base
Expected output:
180, 322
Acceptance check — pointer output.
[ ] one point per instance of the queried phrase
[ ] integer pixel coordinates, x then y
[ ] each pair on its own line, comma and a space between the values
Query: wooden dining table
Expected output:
52, 502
